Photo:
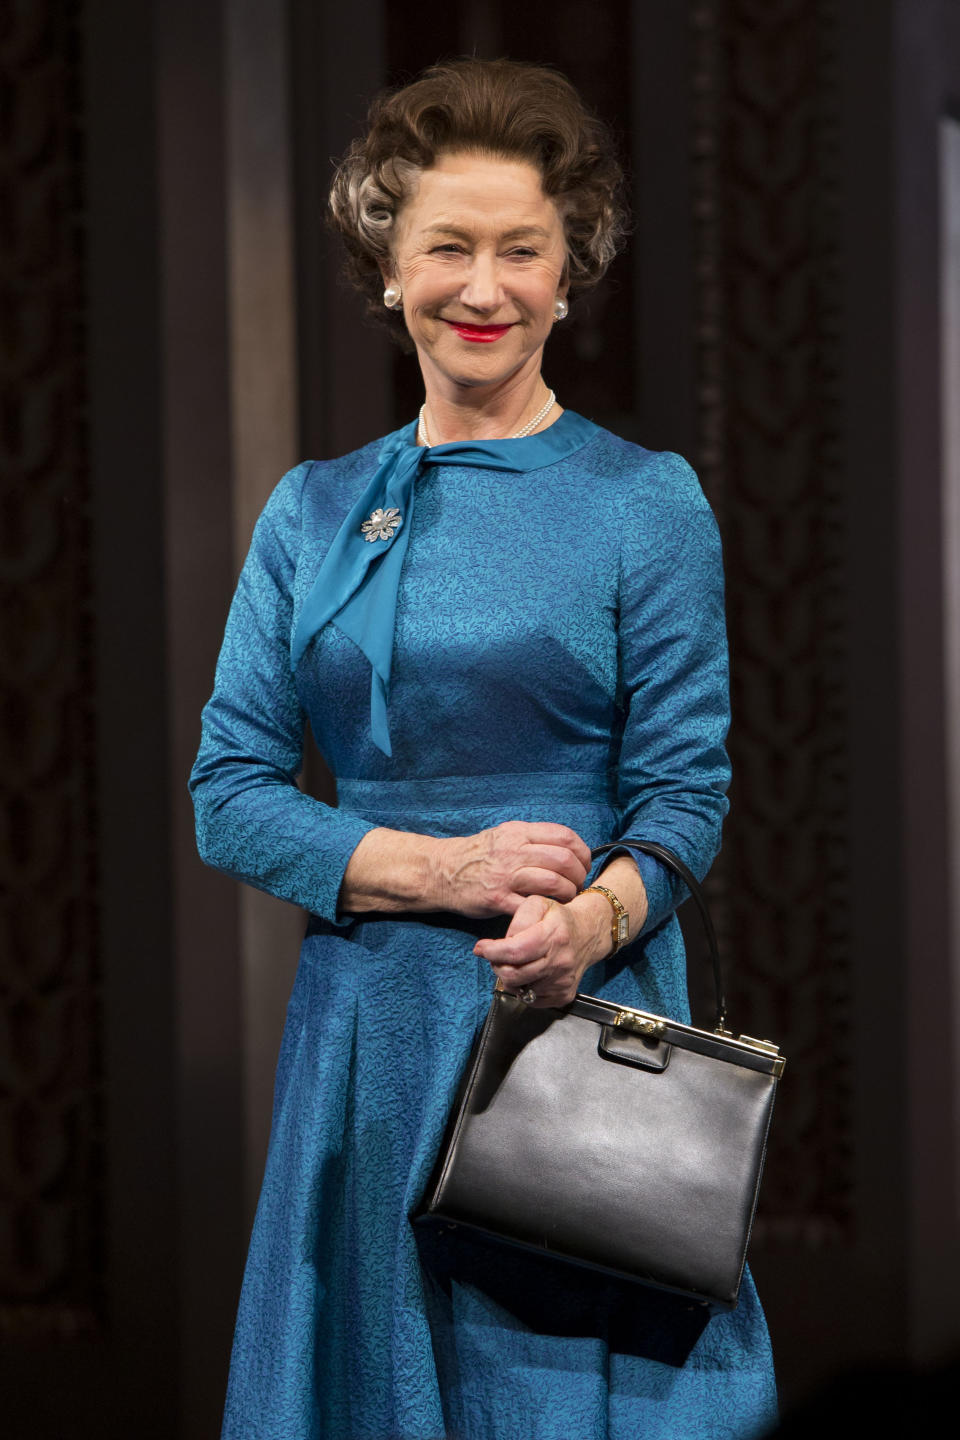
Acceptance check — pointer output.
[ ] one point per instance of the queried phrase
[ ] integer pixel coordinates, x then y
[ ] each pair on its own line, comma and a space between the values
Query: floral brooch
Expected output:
381, 525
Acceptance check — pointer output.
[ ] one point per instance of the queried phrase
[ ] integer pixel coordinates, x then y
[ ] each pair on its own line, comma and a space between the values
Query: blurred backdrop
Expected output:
174, 337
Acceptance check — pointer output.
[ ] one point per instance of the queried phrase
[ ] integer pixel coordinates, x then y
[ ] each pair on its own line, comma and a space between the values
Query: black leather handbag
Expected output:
614, 1138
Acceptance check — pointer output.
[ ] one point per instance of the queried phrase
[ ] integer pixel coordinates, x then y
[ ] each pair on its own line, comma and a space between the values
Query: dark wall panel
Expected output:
89, 1313
51, 1152
769, 403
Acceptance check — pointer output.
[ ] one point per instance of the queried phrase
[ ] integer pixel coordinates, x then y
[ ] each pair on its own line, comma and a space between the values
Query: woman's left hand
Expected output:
548, 946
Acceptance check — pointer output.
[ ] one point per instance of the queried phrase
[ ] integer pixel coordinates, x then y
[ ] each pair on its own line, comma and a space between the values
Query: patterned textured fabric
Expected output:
559, 656
356, 587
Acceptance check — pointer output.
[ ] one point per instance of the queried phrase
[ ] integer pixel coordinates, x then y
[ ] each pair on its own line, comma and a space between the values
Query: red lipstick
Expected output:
480, 334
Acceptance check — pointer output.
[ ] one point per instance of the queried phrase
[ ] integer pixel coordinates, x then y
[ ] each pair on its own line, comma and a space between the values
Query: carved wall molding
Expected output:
766, 242
50, 1122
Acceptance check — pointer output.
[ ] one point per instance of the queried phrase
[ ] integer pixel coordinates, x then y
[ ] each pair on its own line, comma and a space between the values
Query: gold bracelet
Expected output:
620, 920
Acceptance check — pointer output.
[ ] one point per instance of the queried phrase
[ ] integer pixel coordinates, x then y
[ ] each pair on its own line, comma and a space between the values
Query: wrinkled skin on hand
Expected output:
548, 947
494, 871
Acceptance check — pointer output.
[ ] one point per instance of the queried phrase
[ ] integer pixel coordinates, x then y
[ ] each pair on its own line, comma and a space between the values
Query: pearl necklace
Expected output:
423, 435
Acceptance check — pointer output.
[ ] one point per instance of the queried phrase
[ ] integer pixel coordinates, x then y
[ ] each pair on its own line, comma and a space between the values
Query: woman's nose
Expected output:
482, 290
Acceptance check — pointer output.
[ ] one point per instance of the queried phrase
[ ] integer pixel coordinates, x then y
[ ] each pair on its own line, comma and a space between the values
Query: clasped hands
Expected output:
532, 872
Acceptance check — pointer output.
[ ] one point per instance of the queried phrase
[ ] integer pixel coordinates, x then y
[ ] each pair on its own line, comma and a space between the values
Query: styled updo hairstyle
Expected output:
496, 107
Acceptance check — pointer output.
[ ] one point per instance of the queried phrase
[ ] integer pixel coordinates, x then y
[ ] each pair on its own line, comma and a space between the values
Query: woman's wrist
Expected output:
446, 860
623, 879
393, 870
593, 913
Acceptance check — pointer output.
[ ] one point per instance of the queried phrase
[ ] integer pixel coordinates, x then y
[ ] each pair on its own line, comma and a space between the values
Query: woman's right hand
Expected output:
493, 871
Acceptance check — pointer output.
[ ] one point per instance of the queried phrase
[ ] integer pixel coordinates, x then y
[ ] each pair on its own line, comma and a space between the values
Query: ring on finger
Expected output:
528, 995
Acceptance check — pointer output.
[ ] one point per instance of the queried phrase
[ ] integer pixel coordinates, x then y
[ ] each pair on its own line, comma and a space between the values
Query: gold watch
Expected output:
619, 921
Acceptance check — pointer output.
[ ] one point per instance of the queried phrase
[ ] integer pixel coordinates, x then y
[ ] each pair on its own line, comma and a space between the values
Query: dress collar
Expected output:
534, 452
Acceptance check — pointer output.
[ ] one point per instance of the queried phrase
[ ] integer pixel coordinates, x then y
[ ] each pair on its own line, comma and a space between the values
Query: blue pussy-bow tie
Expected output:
356, 587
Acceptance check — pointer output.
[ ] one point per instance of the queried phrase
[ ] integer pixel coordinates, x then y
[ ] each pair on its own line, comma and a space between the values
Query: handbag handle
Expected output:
674, 863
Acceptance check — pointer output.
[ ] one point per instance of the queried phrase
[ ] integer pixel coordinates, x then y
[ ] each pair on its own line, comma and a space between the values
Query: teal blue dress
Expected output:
558, 653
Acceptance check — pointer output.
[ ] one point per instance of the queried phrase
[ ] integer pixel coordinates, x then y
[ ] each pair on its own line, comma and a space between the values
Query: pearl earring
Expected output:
560, 308
392, 296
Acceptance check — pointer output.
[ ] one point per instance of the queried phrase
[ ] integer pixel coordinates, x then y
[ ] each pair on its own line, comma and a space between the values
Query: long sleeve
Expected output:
252, 820
673, 767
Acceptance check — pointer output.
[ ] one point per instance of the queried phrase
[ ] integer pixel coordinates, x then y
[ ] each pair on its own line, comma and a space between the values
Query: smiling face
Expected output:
480, 255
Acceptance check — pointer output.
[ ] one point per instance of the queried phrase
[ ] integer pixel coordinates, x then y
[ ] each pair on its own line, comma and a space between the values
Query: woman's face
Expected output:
480, 255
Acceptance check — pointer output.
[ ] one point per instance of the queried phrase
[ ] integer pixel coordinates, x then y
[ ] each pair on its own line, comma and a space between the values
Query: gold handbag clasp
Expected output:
638, 1024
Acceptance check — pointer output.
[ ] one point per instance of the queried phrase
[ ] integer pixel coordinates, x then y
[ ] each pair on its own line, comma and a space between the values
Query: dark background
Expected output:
174, 337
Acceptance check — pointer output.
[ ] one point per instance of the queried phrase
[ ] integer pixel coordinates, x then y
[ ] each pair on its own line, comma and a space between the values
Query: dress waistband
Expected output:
459, 792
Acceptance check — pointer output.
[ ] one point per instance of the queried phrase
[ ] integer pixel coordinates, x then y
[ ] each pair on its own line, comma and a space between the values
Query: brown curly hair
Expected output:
499, 107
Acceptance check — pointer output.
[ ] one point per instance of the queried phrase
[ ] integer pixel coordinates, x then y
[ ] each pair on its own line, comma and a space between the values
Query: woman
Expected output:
505, 627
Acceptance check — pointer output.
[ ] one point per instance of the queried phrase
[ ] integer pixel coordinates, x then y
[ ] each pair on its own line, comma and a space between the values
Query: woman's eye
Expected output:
448, 249
523, 252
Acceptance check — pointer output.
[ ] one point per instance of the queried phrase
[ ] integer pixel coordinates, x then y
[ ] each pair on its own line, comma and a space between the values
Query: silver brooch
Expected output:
381, 524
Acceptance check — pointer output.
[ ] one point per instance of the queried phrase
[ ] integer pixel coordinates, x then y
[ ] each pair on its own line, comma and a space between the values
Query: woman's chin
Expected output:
479, 367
